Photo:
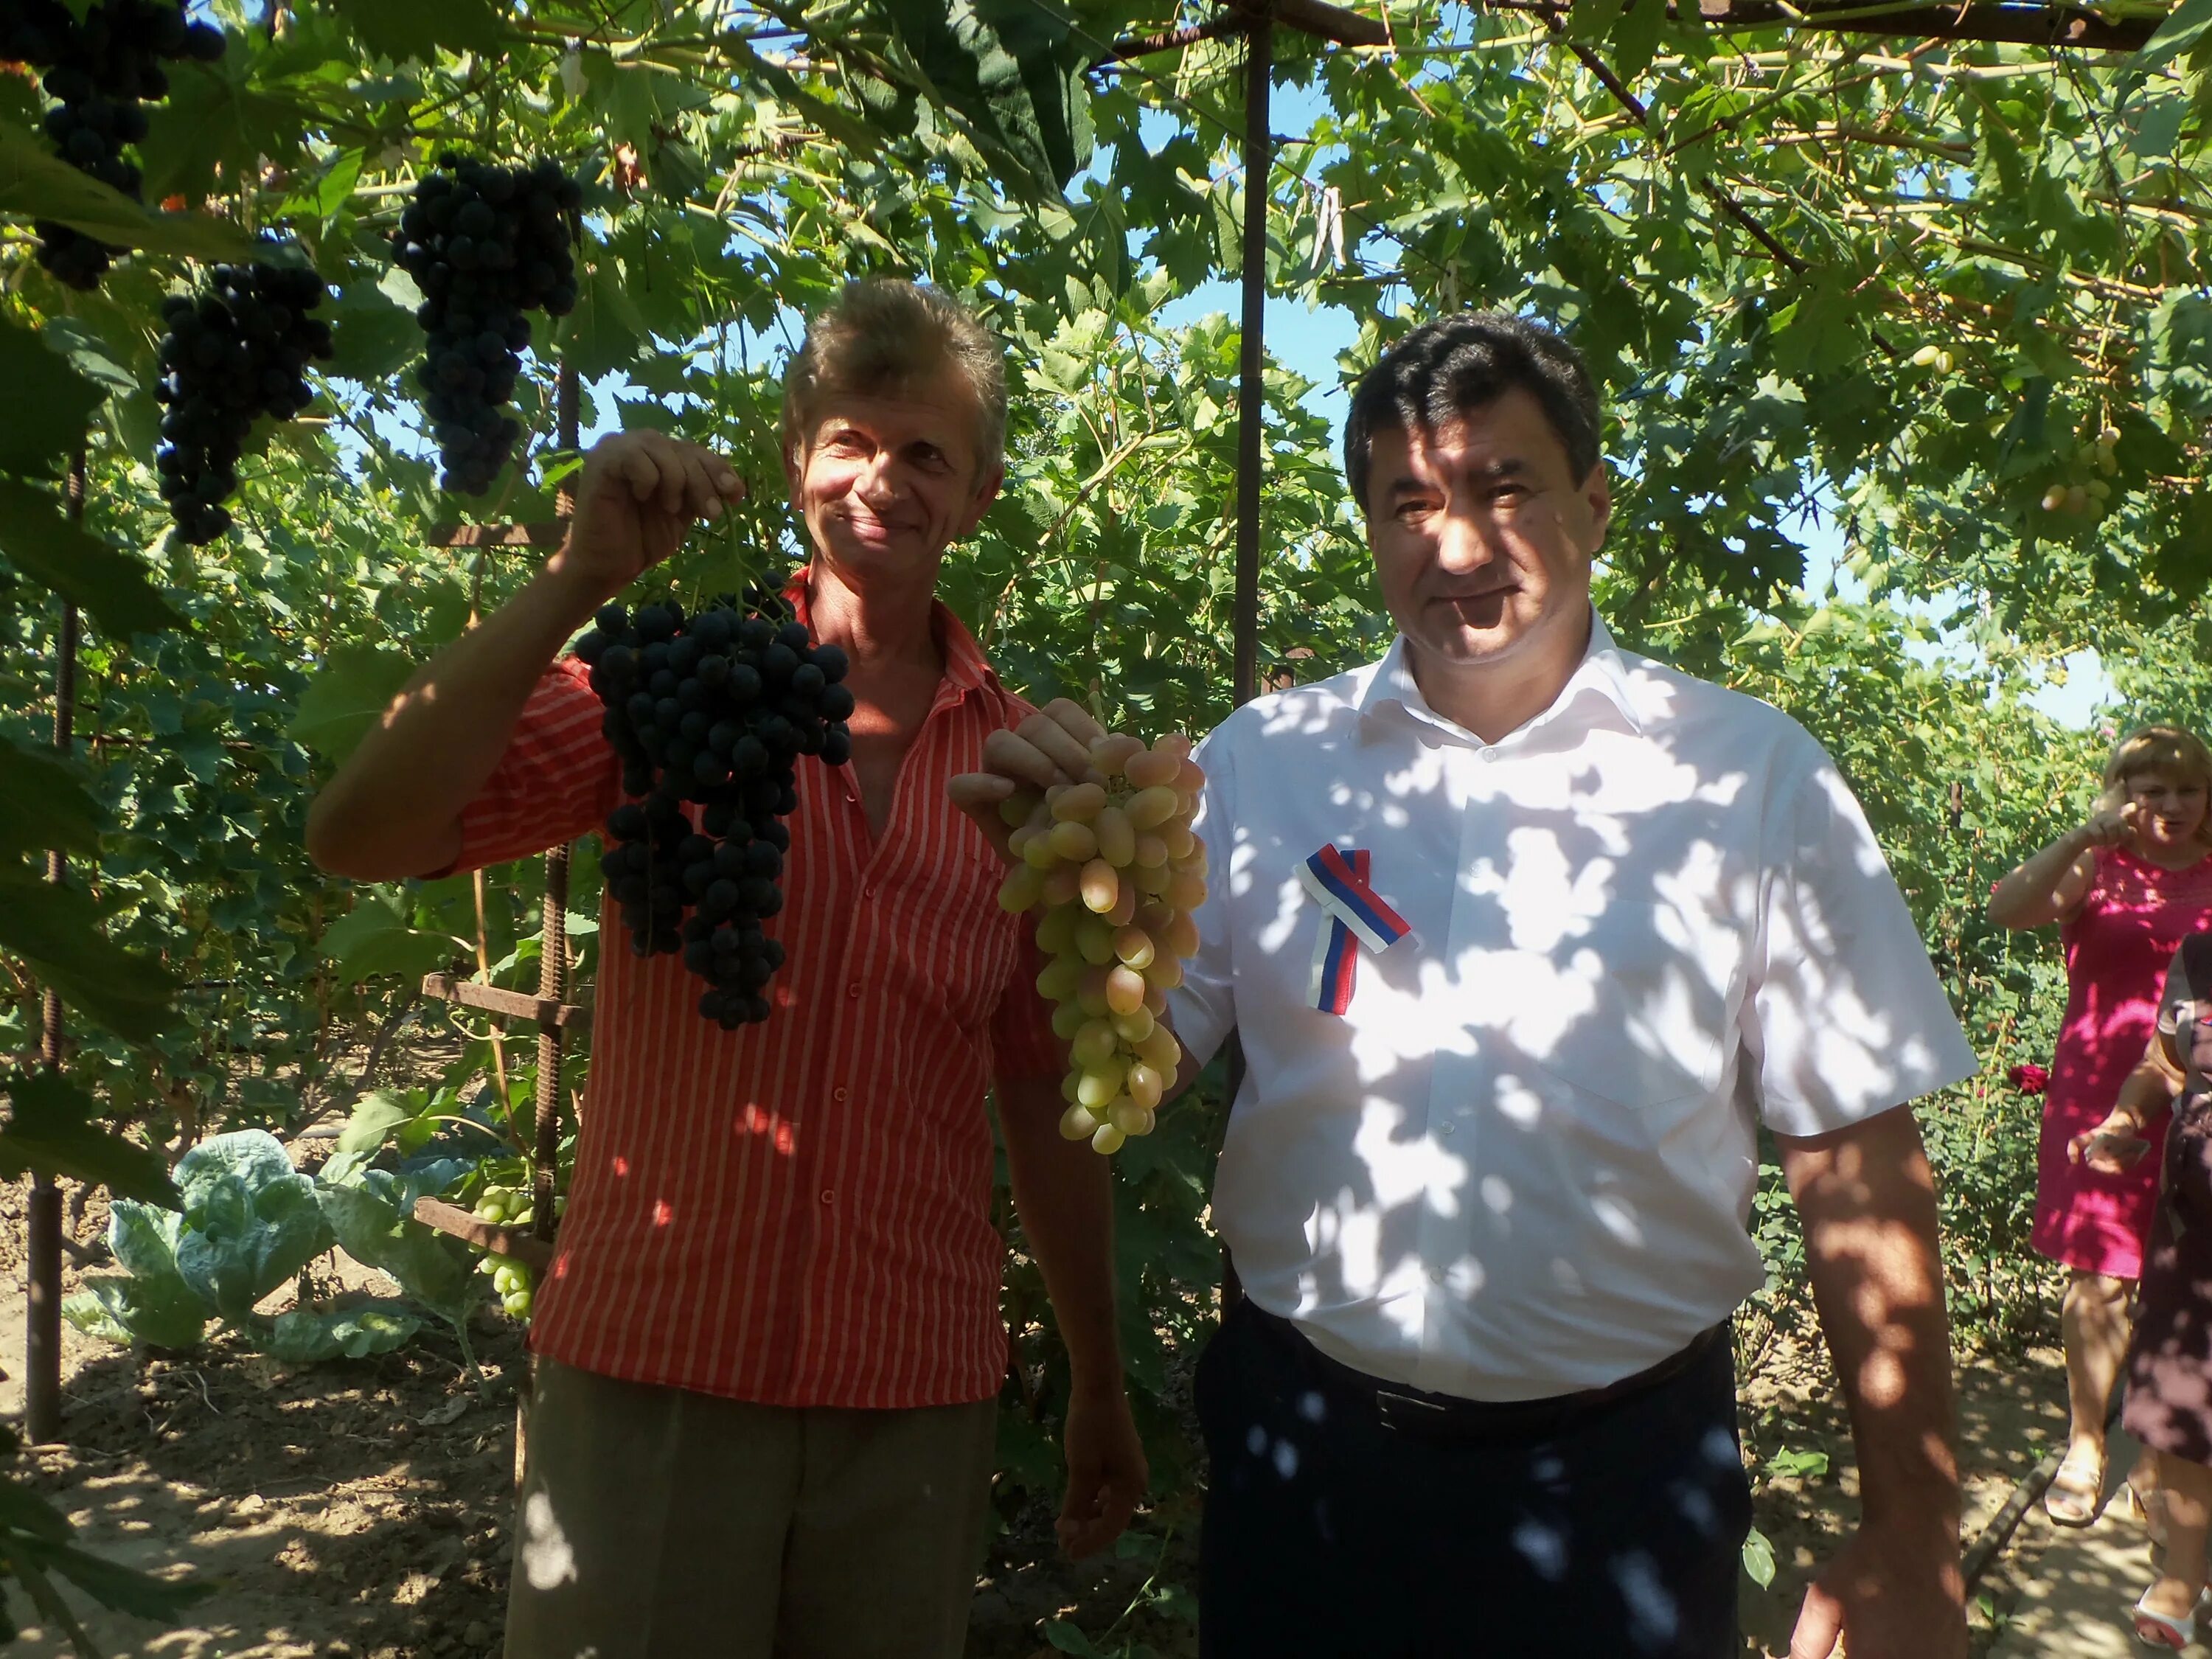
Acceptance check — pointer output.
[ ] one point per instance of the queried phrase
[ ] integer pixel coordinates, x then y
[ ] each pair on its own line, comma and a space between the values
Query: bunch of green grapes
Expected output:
511, 1207
1112, 867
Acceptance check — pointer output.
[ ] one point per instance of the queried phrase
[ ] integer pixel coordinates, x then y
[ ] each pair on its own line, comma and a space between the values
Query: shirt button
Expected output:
853, 989
868, 892
1435, 1274
840, 1092
829, 1196
1447, 1128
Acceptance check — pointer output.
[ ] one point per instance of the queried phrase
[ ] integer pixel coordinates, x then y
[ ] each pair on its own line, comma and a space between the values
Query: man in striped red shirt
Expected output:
769, 1345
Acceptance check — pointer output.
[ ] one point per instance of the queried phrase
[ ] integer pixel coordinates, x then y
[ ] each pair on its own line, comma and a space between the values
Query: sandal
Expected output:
2155, 1630
2075, 1503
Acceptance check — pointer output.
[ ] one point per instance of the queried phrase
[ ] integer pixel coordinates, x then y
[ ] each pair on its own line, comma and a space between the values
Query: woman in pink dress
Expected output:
2126, 888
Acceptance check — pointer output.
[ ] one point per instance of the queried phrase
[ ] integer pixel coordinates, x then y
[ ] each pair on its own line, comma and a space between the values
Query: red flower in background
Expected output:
2029, 1079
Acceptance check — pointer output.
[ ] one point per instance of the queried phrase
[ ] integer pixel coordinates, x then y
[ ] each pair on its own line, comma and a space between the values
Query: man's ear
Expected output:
1597, 491
987, 491
794, 473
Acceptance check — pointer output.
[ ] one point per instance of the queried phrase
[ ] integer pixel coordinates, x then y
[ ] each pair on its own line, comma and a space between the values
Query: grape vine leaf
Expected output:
52, 404
1011, 73
375, 938
77, 565
36, 184
47, 805
355, 685
2188, 28
53, 1126
413, 30
56, 931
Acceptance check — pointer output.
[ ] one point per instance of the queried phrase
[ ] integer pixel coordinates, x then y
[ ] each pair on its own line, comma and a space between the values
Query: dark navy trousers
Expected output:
1330, 1535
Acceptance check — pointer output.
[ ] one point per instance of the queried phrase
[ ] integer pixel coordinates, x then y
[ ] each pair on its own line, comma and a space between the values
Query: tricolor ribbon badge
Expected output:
1338, 880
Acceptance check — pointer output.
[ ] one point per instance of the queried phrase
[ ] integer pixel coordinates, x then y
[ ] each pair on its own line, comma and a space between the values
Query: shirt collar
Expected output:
966, 668
1602, 673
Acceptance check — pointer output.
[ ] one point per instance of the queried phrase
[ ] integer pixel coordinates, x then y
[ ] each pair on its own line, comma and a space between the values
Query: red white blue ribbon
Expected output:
1338, 881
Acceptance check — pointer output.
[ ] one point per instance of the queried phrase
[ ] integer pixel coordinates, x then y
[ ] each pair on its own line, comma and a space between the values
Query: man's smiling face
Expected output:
1482, 536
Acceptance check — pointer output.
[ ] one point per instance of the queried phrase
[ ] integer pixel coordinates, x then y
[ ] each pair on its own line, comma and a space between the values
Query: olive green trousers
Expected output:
655, 1523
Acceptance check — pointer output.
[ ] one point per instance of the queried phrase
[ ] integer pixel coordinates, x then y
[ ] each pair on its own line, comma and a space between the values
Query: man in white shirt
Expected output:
1523, 936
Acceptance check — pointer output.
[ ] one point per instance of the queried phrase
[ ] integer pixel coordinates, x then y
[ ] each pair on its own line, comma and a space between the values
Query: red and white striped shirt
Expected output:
796, 1214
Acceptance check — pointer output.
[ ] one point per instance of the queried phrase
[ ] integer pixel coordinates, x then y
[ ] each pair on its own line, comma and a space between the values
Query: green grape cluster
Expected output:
1112, 867
508, 1206
2085, 492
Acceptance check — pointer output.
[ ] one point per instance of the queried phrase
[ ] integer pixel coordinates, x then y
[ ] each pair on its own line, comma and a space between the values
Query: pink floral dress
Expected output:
2117, 947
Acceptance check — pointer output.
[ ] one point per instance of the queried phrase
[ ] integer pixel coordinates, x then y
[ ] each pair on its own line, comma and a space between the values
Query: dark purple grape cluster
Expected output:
485, 244
239, 351
99, 69
711, 711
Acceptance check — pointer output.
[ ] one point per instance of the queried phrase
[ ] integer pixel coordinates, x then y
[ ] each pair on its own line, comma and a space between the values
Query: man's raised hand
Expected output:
1051, 746
640, 494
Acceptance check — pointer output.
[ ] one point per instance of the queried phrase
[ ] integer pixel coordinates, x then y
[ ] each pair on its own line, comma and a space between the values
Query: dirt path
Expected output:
359, 1510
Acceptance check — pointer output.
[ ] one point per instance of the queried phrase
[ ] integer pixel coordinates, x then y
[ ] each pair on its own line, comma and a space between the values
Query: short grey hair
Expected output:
883, 336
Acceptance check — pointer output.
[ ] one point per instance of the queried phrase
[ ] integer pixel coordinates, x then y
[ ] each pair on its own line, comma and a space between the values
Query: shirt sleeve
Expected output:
558, 779
1023, 1043
1203, 1008
1845, 1016
2176, 1001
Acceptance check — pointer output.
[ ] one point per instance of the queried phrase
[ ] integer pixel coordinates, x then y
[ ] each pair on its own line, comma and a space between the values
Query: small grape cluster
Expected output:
711, 711
511, 1280
99, 69
485, 244
239, 351
1113, 863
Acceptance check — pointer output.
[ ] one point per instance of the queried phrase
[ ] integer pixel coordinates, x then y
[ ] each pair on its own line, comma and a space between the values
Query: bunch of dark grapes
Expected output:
485, 244
710, 713
99, 69
239, 351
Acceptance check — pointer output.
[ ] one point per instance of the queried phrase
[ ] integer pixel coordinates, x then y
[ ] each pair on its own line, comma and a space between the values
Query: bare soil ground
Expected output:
361, 1508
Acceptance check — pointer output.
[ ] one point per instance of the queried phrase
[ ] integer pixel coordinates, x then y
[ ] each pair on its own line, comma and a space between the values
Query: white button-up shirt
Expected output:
1522, 1163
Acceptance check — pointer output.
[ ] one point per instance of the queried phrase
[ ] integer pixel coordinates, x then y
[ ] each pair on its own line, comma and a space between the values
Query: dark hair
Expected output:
1444, 368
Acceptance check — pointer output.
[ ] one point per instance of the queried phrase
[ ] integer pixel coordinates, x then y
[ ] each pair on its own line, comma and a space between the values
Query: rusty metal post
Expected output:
1252, 387
553, 936
42, 1336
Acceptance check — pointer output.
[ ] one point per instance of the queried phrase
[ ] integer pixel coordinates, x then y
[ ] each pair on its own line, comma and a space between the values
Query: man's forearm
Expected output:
1064, 1192
394, 808
1867, 1202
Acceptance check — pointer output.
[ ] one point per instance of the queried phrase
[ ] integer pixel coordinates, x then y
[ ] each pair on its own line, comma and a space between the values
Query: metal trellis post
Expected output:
42, 1336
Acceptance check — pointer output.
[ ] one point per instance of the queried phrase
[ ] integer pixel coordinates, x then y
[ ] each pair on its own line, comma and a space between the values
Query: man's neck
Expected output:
880, 627
1495, 699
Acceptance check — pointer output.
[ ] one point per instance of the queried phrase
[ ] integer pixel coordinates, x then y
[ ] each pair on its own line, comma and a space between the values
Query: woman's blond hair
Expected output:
2157, 749
883, 336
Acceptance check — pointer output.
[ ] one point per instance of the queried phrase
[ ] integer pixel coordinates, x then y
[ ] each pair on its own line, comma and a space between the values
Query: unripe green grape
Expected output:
1014, 810
1076, 1123
1180, 936
1079, 803
1131, 1119
2077, 499
1165, 975
1108, 1139
1098, 1084
2054, 498
1064, 885
1075, 841
1179, 841
1149, 808
1186, 891
1067, 1087
1110, 753
1056, 929
1093, 1045
1926, 356
1135, 947
1067, 1020
1061, 977
1151, 880
1134, 1027
1100, 884
1092, 993
1094, 939
1151, 851
517, 1303
1117, 840
1143, 1085
1022, 887
1160, 1051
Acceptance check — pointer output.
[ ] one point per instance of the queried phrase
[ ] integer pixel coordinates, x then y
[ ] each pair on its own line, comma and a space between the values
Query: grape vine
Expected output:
710, 714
